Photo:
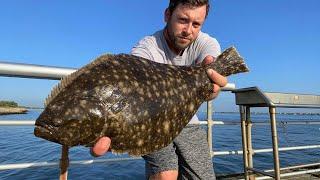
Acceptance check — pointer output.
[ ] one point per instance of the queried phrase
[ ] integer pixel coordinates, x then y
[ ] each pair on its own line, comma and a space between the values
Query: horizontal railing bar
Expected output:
17, 123
223, 153
258, 171
289, 123
256, 151
292, 174
83, 162
264, 123
22, 70
25, 122
287, 148
33, 71
296, 167
47, 164
32, 122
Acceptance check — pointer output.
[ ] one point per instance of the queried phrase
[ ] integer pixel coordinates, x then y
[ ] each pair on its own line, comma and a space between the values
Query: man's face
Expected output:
183, 25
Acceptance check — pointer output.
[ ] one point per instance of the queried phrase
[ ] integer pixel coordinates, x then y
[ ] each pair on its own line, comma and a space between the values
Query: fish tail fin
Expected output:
229, 62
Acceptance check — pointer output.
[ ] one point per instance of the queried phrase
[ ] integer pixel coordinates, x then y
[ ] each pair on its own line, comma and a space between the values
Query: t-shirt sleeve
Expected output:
207, 45
142, 49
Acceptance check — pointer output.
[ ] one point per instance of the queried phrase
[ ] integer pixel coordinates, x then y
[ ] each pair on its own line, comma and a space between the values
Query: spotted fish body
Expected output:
140, 104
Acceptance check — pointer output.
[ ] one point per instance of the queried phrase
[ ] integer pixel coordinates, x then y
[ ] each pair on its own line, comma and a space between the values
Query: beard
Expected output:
178, 41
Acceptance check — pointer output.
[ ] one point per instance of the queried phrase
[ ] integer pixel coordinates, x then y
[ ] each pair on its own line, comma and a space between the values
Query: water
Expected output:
18, 145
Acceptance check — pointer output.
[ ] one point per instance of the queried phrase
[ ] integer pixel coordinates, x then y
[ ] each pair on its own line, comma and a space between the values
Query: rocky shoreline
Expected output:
12, 110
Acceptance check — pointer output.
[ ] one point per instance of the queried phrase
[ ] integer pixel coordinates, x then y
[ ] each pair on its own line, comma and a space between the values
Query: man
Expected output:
180, 43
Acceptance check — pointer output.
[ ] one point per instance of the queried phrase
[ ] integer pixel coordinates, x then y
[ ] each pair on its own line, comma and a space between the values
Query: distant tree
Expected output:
8, 104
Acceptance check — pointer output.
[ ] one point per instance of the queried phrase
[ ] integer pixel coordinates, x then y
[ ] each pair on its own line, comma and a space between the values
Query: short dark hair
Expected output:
195, 3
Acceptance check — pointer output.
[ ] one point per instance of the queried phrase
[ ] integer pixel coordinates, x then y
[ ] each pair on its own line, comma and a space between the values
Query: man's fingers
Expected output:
216, 88
208, 60
217, 78
101, 146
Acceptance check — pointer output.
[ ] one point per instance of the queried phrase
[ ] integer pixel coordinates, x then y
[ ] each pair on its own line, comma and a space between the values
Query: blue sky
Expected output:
280, 40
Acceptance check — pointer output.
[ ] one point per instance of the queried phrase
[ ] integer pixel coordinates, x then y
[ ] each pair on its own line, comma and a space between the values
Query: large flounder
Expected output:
140, 104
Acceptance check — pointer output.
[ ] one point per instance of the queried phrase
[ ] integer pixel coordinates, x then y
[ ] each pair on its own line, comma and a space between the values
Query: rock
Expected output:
12, 110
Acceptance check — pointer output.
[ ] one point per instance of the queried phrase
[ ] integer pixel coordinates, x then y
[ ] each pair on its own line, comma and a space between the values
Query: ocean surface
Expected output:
19, 145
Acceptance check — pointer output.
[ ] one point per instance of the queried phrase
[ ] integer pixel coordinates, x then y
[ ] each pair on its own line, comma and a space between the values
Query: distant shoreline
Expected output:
30, 107
12, 110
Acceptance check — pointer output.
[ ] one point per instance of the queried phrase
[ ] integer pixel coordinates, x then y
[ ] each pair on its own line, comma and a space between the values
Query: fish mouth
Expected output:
46, 132
64, 134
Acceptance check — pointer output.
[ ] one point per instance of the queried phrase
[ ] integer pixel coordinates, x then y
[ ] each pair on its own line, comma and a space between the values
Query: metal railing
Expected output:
56, 73
33, 71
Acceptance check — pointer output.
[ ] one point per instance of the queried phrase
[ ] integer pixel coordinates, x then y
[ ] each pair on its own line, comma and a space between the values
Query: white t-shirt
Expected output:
155, 48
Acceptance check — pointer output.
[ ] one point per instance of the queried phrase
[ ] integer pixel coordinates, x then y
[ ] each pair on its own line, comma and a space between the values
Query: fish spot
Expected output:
83, 103
115, 62
184, 86
136, 84
85, 93
140, 142
191, 107
116, 76
76, 110
175, 110
171, 93
121, 84
166, 126
140, 91
68, 112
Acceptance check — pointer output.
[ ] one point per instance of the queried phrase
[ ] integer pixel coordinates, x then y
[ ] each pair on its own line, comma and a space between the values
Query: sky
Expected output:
279, 40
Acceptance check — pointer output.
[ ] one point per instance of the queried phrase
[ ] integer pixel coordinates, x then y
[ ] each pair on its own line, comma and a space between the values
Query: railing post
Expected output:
209, 124
64, 163
276, 161
249, 141
244, 140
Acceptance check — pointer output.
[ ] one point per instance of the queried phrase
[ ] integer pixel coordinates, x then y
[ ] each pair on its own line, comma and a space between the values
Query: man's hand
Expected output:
217, 79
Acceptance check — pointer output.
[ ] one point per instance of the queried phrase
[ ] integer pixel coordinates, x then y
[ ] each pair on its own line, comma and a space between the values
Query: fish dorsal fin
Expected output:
65, 81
